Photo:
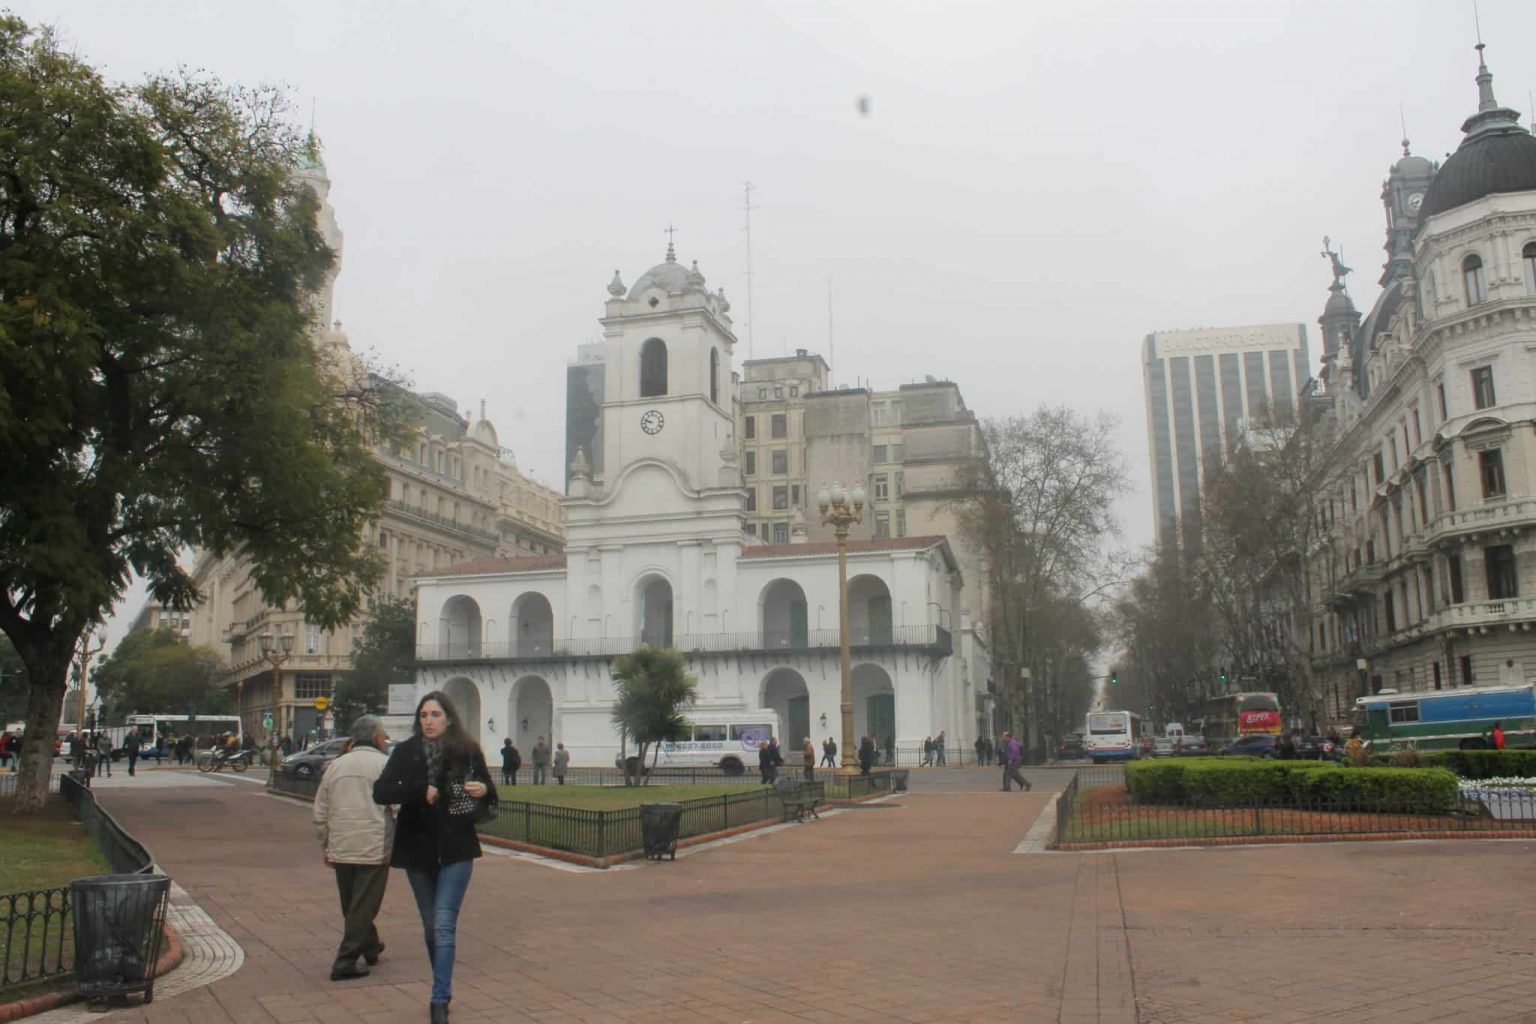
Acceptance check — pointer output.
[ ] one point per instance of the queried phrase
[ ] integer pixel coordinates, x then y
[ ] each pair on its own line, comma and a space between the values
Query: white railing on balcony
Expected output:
1521, 511
932, 637
1485, 613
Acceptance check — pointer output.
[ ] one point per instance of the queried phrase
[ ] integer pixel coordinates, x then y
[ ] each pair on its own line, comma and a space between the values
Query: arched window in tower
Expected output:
1475, 279
1528, 260
714, 375
653, 368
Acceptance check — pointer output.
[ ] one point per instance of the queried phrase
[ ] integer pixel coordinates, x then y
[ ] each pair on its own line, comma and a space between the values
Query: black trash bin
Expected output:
659, 825
899, 777
119, 927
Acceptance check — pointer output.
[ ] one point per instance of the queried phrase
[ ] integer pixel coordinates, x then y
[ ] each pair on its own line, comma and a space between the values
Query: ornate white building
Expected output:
1424, 574
657, 551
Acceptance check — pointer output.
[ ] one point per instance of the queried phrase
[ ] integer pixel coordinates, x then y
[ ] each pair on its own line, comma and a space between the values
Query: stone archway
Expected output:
458, 633
533, 626
784, 691
874, 705
465, 696
530, 702
653, 611
869, 611
784, 615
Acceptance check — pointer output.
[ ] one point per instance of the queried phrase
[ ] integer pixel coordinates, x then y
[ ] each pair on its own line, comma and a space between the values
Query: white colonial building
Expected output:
657, 551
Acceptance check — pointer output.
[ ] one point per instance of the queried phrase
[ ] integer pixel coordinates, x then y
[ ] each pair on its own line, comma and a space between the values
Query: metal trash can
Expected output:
119, 929
659, 825
899, 777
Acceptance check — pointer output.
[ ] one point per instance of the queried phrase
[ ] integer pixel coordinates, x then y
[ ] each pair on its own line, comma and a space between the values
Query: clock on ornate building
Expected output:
651, 421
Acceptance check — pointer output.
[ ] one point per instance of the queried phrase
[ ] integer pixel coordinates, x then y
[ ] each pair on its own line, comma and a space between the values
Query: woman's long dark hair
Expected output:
457, 742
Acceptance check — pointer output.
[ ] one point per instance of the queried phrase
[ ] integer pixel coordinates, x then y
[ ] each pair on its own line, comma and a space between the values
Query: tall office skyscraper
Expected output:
1203, 386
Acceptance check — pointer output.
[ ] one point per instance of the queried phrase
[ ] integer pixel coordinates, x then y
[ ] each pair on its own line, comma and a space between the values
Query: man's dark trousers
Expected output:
361, 888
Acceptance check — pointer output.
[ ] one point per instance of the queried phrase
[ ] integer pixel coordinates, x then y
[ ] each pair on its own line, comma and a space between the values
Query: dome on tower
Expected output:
668, 276
1497, 155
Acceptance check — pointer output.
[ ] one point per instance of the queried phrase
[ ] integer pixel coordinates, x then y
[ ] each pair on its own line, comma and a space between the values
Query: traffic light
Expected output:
1114, 677
1223, 677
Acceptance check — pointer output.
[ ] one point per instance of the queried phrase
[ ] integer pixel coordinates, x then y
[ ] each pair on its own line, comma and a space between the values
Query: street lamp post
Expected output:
88, 650
276, 649
841, 509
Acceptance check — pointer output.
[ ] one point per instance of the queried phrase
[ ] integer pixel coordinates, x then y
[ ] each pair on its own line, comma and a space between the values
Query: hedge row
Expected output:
1241, 782
1483, 764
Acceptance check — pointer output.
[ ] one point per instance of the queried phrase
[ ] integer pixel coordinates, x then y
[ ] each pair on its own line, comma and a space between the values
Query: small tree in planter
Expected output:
654, 690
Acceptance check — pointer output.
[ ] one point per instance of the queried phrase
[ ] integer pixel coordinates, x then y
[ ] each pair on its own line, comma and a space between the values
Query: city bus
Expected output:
1235, 715
149, 727
1112, 736
1447, 719
720, 739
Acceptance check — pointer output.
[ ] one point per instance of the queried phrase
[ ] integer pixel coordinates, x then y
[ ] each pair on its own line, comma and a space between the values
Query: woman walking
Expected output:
439, 780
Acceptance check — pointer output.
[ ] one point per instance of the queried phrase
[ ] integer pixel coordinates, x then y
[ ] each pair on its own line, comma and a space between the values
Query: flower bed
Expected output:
1507, 798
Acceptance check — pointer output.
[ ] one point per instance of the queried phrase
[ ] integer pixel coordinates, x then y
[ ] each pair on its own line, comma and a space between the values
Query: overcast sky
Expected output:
1032, 190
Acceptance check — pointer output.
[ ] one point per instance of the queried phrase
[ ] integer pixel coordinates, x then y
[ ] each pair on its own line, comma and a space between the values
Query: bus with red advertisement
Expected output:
1235, 715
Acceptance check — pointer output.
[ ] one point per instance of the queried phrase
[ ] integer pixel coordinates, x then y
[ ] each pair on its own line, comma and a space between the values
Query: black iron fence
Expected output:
294, 785
125, 854
606, 833
1099, 810
36, 940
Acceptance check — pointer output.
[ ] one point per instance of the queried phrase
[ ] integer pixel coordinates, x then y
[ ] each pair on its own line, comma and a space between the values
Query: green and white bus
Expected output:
1447, 719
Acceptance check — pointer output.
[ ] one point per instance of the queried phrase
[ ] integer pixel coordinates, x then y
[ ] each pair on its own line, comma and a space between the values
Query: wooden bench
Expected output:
799, 798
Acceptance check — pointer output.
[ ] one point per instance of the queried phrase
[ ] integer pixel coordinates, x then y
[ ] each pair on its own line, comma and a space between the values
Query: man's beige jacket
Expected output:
352, 828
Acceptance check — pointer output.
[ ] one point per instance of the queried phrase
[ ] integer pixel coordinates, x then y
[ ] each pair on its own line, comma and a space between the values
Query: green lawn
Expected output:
612, 798
45, 851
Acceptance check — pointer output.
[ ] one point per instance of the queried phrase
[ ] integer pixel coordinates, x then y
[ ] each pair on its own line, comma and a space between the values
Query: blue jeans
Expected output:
439, 894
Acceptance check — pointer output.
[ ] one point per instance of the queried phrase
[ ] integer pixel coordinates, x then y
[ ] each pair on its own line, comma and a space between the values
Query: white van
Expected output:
721, 739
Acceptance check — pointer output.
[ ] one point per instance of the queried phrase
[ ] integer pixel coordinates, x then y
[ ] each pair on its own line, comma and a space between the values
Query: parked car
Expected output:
1318, 748
310, 763
1071, 747
1163, 746
1257, 745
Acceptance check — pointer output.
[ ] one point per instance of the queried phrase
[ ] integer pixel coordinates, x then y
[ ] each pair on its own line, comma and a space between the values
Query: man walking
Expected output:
829, 753
540, 762
357, 835
103, 746
133, 753
562, 763
1013, 756
938, 751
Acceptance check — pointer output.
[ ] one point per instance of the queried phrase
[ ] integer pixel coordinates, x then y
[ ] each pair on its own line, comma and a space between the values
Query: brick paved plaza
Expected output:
913, 910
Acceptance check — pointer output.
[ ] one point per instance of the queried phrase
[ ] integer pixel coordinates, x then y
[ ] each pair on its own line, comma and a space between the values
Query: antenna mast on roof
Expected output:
746, 209
831, 346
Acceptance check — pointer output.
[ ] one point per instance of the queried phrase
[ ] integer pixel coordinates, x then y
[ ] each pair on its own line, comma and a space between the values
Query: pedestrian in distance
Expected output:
866, 754
439, 781
829, 753
287, 745
1496, 734
540, 762
356, 834
1013, 756
562, 762
809, 754
103, 747
981, 750
776, 756
511, 761
927, 757
764, 762
133, 754
938, 751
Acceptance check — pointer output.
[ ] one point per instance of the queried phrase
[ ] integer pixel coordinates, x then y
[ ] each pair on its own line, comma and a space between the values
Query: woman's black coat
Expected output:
426, 835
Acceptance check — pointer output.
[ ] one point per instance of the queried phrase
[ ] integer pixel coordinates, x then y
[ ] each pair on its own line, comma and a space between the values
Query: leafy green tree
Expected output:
381, 656
159, 673
654, 690
159, 388
13, 683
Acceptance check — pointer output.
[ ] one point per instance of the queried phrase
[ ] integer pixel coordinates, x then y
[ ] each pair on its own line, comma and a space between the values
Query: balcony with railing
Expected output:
1481, 518
1512, 612
933, 640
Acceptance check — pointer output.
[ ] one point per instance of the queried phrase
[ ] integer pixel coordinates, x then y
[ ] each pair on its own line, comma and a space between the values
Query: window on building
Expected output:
1503, 582
794, 391
1440, 398
781, 533
1390, 607
780, 461
781, 497
749, 464
750, 528
1418, 435
384, 540
1435, 666
653, 368
1421, 491
901, 522
1450, 488
1392, 446
1466, 670
749, 428
882, 487
794, 495
1453, 574
878, 453
901, 484
1528, 260
779, 425
1370, 551
309, 685
1378, 465
1490, 466
762, 393
1482, 387
878, 412
882, 524
714, 375
751, 505
898, 452
1475, 280
311, 638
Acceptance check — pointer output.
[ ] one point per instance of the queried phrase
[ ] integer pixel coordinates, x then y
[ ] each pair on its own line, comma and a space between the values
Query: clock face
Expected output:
1415, 201
651, 421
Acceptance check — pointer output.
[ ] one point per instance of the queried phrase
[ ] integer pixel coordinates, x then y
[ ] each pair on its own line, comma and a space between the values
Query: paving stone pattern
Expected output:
916, 910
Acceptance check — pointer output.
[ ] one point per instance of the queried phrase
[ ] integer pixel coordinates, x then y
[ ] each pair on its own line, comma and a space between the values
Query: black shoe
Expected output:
439, 1013
349, 972
373, 957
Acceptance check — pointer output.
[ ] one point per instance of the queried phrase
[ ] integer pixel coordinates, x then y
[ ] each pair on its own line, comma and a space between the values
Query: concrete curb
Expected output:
20, 1008
1321, 837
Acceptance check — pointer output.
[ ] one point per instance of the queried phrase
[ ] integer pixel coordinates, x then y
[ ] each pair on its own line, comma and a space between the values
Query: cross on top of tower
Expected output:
671, 252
